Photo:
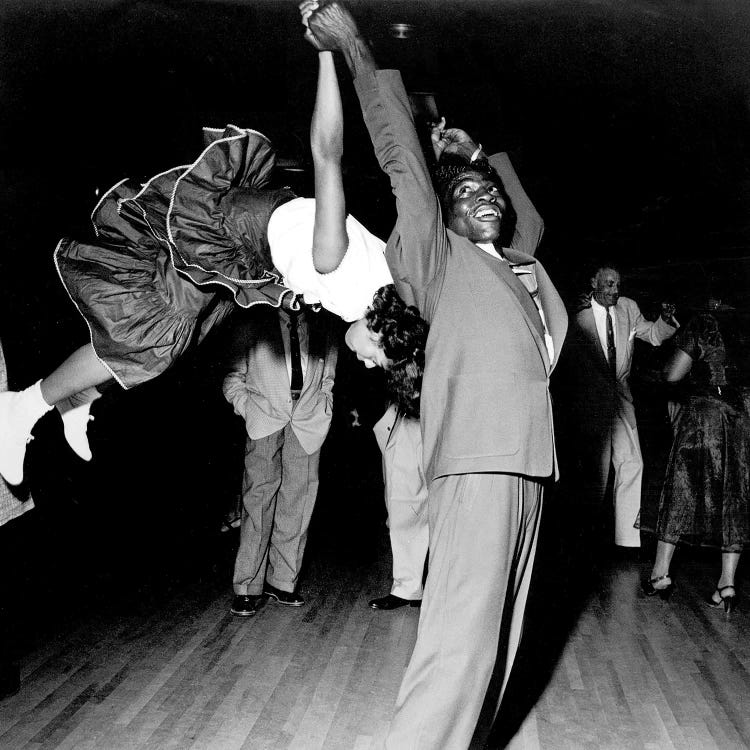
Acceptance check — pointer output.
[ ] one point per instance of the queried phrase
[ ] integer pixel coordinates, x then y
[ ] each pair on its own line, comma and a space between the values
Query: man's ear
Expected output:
592, 281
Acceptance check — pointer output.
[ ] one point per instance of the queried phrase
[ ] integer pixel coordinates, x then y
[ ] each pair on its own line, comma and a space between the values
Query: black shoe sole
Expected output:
280, 601
237, 613
415, 603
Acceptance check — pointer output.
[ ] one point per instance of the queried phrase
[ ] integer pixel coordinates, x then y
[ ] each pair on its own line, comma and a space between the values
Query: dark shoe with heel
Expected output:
728, 601
288, 598
391, 601
649, 589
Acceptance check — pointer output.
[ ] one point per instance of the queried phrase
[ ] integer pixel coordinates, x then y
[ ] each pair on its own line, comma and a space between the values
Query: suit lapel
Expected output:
555, 313
587, 324
520, 293
623, 335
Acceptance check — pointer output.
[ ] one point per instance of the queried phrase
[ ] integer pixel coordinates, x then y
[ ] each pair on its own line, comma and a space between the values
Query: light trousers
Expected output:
627, 463
483, 535
406, 502
278, 496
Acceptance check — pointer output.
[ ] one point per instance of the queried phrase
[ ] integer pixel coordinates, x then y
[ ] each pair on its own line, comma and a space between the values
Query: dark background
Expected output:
628, 122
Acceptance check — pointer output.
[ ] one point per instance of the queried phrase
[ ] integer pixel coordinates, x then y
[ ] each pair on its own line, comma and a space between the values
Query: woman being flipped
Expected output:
172, 257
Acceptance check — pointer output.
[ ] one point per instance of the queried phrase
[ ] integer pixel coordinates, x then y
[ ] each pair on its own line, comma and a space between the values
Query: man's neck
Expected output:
595, 301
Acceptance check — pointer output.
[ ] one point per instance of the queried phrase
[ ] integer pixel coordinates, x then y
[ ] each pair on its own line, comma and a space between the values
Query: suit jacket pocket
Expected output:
482, 416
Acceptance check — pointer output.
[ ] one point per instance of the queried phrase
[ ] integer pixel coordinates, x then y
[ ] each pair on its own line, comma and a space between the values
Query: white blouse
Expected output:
346, 291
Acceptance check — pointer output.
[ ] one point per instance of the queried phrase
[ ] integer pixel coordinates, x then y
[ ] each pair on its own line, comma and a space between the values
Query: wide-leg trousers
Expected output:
627, 462
278, 496
614, 444
406, 501
483, 535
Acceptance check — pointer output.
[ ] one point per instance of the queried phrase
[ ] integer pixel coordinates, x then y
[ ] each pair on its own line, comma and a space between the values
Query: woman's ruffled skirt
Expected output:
166, 265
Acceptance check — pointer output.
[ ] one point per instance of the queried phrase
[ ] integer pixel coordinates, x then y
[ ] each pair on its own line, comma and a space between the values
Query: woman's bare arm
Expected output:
327, 144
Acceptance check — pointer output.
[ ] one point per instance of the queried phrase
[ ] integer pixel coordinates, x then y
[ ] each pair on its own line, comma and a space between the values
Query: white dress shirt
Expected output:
346, 291
600, 318
304, 338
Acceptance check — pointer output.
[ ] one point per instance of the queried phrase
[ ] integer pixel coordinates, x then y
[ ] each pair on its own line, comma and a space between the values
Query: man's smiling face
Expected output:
475, 207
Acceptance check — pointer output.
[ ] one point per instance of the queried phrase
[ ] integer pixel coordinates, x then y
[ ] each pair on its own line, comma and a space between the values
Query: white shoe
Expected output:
75, 413
19, 412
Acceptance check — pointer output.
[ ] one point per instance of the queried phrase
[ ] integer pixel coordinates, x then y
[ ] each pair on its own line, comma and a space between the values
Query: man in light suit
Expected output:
599, 365
399, 438
496, 328
282, 386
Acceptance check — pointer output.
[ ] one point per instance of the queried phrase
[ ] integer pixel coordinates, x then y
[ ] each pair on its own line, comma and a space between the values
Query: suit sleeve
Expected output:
653, 332
329, 373
417, 249
235, 382
3, 371
529, 223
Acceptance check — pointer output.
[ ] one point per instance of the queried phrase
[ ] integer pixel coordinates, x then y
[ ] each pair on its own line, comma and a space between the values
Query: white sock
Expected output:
33, 401
75, 413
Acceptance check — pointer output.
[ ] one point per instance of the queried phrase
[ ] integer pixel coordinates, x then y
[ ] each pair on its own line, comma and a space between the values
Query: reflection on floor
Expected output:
162, 664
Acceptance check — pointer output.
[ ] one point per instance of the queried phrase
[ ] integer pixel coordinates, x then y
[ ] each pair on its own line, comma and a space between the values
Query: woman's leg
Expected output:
729, 562
72, 388
664, 554
20, 411
81, 370
725, 592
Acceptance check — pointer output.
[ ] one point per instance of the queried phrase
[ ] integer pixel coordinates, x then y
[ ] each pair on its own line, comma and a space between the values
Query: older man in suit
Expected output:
496, 328
281, 384
599, 356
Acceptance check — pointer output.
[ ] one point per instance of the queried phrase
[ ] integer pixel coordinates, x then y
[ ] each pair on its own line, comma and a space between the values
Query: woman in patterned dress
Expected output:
706, 495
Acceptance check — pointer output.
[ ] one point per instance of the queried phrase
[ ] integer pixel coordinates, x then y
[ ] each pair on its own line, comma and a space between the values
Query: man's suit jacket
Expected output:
401, 446
485, 397
258, 387
599, 395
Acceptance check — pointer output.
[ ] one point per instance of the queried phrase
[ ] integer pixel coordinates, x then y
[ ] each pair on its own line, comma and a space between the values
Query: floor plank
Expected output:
172, 669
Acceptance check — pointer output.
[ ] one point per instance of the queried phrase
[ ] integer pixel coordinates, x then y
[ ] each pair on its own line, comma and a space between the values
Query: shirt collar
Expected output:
518, 261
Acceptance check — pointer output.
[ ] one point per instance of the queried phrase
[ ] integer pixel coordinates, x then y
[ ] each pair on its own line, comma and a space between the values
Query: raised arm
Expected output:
416, 252
678, 366
529, 224
327, 146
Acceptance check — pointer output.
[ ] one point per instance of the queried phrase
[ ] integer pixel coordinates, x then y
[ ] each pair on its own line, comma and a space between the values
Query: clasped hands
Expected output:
328, 26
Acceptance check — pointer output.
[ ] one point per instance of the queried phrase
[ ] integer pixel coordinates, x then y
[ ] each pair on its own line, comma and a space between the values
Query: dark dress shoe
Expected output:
245, 605
10, 680
283, 597
390, 601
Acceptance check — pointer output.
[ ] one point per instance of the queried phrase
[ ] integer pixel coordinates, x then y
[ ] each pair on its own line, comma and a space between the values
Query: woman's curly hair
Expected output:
403, 335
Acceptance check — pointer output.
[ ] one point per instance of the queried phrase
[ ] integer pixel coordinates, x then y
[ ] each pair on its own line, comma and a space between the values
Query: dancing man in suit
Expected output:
281, 384
496, 328
599, 356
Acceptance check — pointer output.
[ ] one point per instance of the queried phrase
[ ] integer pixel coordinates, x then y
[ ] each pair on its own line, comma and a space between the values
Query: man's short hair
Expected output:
599, 264
448, 172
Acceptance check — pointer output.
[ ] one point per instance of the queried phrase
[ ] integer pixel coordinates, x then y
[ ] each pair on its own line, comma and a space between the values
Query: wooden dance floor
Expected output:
162, 664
